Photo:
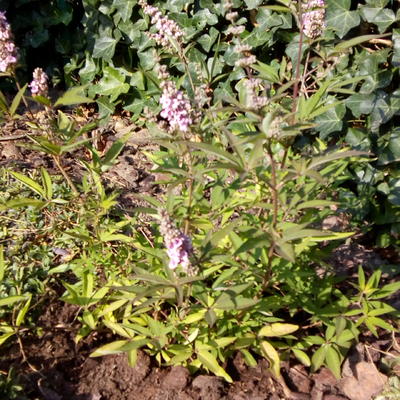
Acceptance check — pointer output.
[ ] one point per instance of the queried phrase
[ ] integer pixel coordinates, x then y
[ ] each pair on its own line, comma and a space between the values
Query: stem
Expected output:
297, 77
190, 199
65, 175
275, 200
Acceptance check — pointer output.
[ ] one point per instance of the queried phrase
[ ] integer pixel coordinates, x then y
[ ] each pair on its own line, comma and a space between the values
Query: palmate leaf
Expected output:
331, 120
104, 47
339, 18
124, 8
381, 17
112, 84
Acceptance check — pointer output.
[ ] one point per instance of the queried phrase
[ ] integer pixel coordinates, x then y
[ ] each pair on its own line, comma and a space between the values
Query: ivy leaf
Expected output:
104, 47
339, 18
381, 17
252, 4
360, 104
112, 84
124, 8
389, 148
396, 48
208, 39
381, 111
330, 121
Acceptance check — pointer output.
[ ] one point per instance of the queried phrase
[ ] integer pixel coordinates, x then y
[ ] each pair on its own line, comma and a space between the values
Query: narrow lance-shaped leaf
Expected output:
17, 100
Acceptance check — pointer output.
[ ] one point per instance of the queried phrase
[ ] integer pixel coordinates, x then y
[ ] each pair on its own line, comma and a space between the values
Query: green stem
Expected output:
190, 199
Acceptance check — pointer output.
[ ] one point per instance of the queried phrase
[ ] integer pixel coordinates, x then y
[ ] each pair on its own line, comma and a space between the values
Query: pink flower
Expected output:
8, 51
176, 108
179, 246
167, 28
313, 18
39, 85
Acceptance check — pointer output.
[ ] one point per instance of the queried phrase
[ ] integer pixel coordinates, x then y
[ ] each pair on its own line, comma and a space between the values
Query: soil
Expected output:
51, 366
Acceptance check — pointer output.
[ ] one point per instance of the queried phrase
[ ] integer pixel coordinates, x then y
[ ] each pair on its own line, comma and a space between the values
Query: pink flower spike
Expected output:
8, 51
39, 85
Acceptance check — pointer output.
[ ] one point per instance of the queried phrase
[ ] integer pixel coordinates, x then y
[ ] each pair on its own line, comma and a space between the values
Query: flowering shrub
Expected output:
262, 113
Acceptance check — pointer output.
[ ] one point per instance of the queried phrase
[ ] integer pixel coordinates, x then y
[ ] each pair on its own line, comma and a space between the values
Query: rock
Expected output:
324, 379
299, 379
366, 382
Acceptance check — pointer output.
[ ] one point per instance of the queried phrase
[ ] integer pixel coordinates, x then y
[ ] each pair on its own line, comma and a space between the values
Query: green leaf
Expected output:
22, 202
302, 357
216, 151
5, 336
339, 18
318, 358
114, 152
355, 41
30, 183
248, 358
379, 322
112, 84
124, 8
330, 121
115, 305
333, 361
17, 100
272, 356
321, 160
7, 301
110, 348
360, 104
2, 263
75, 95
315, 204
266, 72
210, 362
47, 184
23, 311
277, 329
104, 48
361, 278
381, 17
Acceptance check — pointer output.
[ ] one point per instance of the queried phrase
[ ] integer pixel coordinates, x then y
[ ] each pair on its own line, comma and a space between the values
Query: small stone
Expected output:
299, 378
325, 379
365, 384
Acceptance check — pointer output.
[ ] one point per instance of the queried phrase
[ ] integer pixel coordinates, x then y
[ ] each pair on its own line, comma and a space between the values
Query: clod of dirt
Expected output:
210, 387
365, 383
112, 376
177, 378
